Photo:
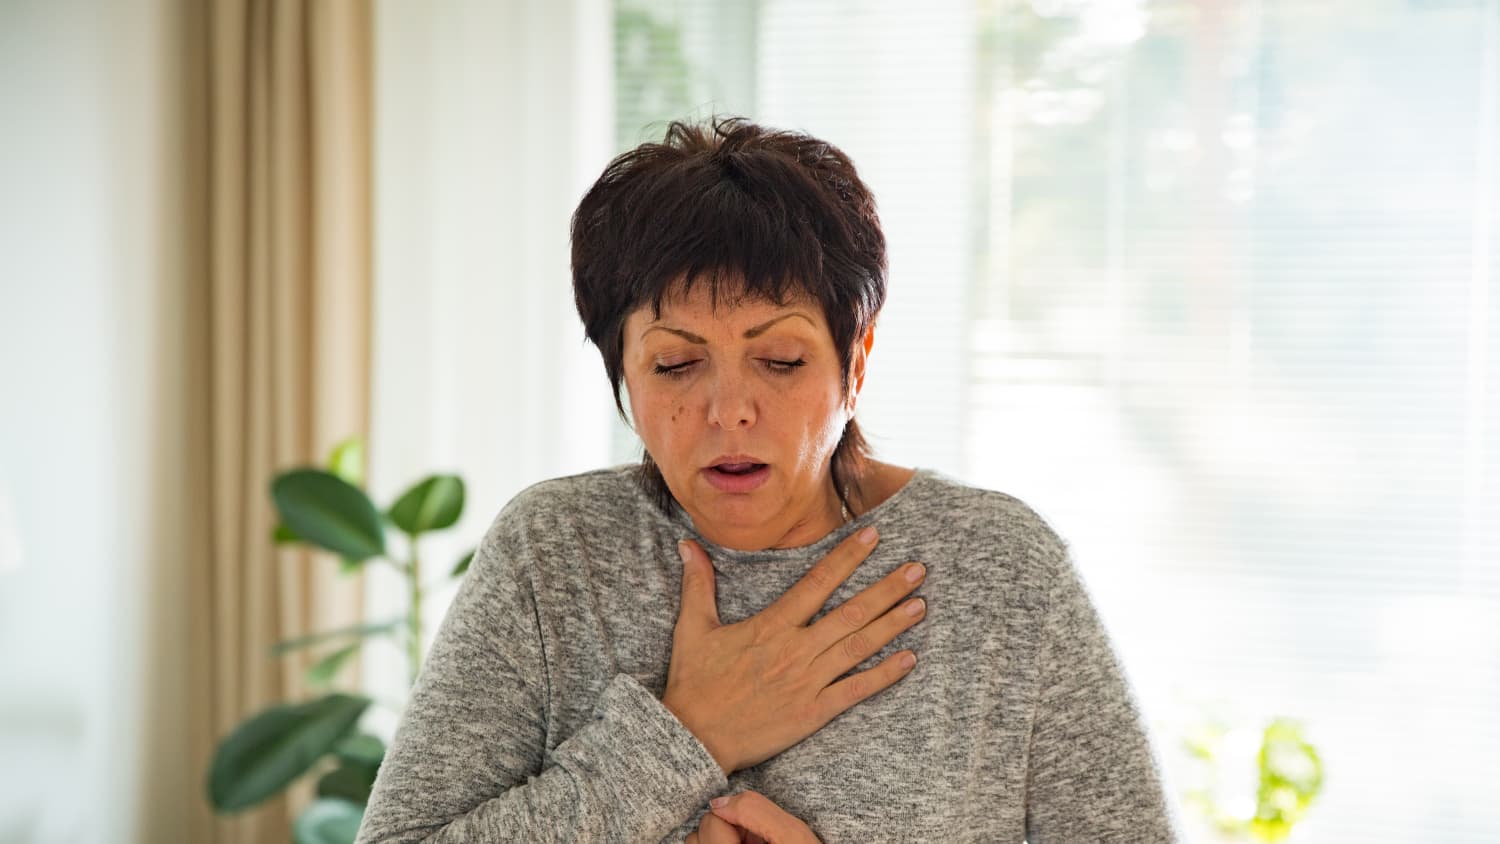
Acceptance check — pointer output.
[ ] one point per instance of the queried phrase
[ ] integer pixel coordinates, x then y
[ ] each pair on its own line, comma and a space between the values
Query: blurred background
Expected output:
1212, 284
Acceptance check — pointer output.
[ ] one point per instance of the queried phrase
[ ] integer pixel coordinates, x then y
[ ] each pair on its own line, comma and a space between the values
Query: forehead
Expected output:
730, 308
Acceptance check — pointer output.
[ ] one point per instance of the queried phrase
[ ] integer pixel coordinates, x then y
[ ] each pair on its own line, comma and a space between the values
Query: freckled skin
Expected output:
736, 396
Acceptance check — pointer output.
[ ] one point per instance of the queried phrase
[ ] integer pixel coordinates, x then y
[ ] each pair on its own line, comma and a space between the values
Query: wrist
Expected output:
720, 755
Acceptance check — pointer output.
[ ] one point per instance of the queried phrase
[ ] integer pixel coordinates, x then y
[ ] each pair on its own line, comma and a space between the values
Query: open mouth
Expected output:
737, 476
738, 468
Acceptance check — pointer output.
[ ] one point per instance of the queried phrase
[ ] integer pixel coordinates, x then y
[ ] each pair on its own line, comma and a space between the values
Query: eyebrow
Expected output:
750, 333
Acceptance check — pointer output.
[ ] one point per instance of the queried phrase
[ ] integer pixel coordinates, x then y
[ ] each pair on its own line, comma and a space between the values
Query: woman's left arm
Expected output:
1091, 775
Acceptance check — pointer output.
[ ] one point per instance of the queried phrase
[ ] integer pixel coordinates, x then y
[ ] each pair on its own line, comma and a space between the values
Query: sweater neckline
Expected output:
723, 556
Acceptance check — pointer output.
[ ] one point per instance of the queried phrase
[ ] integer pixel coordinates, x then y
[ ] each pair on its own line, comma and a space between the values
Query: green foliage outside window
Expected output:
1289, 779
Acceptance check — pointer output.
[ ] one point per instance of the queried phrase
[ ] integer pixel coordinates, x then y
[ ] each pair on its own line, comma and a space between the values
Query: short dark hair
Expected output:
754, 213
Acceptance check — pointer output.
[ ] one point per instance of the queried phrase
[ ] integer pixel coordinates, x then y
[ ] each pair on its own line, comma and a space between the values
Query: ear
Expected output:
859, 362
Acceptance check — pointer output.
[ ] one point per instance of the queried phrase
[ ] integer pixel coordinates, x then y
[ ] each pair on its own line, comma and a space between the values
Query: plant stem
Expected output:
414, 618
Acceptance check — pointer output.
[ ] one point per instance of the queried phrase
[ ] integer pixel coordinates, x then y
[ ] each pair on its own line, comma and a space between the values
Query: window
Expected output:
1214, 286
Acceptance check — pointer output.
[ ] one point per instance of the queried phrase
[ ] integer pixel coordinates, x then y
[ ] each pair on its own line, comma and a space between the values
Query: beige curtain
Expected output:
283, 330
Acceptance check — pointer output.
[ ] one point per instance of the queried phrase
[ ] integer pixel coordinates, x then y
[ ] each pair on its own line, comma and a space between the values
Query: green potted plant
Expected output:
327, 508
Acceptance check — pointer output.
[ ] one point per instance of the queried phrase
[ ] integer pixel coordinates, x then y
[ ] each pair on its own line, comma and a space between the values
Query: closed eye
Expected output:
676, 370
785, 367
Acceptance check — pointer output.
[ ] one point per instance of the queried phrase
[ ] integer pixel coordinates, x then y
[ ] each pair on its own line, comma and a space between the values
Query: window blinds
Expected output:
1216, 287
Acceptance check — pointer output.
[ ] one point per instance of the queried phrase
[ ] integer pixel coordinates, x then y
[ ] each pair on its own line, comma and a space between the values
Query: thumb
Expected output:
756, 814
699, 610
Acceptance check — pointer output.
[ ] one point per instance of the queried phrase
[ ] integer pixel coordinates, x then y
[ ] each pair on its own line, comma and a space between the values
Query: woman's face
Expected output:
741, 408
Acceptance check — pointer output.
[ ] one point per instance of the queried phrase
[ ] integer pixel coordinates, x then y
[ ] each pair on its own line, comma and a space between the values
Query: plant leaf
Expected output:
316, 638
328, 820
264, 754
362, 748
433, 504
282, 535
329, 512
463, 565
321, 673
347, 460
351, 781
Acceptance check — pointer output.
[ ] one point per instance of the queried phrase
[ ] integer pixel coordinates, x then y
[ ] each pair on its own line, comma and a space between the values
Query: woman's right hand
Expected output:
750, 690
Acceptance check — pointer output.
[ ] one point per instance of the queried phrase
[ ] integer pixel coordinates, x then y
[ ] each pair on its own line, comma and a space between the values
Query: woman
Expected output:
737, 616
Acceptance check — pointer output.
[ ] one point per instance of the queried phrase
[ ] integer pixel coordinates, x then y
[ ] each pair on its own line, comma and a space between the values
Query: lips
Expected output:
738, 473
738, 468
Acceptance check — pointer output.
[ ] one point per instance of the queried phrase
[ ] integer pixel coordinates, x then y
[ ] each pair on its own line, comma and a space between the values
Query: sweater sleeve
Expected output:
1091, 774
469, 760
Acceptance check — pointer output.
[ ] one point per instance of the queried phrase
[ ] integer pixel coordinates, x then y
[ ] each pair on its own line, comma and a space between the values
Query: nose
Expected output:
731, 403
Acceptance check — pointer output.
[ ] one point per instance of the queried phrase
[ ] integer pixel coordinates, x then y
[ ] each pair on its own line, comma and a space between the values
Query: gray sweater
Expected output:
537, 716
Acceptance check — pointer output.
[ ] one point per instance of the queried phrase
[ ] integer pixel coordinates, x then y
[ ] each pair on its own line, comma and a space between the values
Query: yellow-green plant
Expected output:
327, 508
1290, 779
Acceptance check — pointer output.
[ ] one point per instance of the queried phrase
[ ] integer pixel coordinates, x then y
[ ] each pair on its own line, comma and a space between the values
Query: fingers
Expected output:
808, 595
699, 610
713, 829
757, 815
857, 687
858, 612
867, 641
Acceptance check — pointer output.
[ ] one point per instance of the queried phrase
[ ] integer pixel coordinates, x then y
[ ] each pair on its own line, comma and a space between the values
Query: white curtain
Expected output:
492, 119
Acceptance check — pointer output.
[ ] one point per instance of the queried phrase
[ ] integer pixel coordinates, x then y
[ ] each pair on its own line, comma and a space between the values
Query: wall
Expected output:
93, 270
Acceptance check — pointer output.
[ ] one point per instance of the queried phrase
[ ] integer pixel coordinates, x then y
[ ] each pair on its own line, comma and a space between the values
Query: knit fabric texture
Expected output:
537, 714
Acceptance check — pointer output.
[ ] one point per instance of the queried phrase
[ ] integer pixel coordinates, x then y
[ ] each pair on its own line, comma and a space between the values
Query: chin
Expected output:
719, 512
735, 514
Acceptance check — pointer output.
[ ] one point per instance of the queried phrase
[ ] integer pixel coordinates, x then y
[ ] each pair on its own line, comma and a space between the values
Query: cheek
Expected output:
661, 419
828, 434
822, 428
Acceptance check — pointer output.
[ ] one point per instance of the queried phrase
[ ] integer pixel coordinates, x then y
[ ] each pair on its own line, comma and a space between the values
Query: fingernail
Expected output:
719, 802
867, 536
682, 549
914, 607
909, 660
914, 572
